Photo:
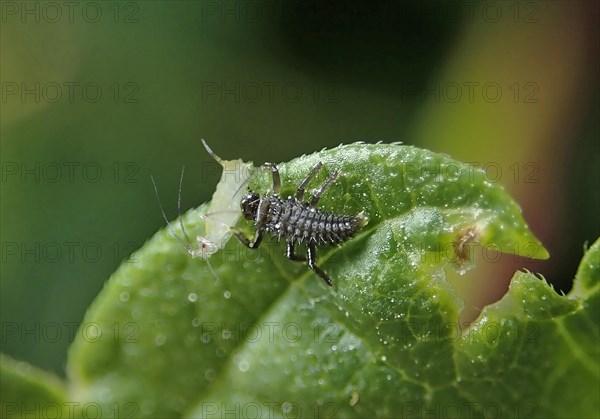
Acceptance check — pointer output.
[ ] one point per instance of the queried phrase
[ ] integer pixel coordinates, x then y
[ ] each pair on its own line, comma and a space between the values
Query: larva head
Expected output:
250, 204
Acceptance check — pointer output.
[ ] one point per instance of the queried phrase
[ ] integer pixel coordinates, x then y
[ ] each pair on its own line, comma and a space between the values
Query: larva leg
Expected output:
302, 187
311, 254
291, 253
317, 195
252, 244
276, 177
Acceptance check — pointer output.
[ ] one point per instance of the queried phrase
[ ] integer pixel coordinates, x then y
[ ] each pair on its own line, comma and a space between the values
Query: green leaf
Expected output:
268, 336
536, 353
26, 391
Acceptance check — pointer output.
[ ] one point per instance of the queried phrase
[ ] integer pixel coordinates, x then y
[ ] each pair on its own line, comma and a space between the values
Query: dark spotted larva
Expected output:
297, 221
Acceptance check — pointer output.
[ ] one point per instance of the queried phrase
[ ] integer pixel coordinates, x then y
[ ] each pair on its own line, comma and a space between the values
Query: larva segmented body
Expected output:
297, 221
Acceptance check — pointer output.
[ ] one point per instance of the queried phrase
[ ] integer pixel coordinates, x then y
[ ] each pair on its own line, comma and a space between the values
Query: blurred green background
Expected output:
96, 96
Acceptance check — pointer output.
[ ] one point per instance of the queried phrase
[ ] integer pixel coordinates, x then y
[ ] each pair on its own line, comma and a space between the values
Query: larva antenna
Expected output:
205, 247
187, 238
185, 245
247, 181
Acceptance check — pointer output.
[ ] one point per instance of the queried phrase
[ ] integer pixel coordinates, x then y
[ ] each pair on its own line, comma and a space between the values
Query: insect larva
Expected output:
297, 221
